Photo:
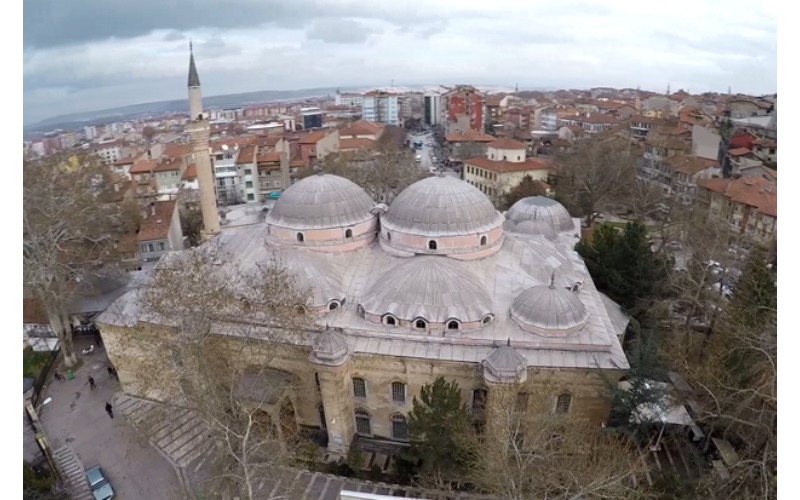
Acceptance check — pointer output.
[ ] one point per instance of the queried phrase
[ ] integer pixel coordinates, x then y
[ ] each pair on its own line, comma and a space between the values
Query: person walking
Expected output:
110, 372
91, 383
110, 410
58, 376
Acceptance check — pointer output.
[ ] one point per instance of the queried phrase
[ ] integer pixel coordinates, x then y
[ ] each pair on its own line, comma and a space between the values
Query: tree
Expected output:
198, 355
70, 234
527, 187
382, 170
530, 451
595, 174
438, 427
624, 266
191, 216
148, 133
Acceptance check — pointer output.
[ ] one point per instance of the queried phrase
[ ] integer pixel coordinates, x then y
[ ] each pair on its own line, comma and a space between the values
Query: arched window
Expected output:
348, 233
479, 399
333, 305
487, 319
390, 320
398, 392
300, 237
363, 426
399, 428
452, 325
420, 323
432, 245
300, 309
483, 241
563, 403
359, 387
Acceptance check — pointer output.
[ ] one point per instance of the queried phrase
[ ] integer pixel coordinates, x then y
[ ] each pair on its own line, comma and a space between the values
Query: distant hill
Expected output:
76, 120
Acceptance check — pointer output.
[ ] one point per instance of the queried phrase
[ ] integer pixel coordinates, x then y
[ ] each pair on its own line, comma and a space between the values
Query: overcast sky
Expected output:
82, 55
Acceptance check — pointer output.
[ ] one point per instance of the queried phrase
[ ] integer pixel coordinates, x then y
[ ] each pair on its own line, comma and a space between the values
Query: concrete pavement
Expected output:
76, 416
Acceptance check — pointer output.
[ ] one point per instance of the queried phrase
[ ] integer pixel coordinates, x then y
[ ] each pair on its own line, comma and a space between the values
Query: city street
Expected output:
76, 415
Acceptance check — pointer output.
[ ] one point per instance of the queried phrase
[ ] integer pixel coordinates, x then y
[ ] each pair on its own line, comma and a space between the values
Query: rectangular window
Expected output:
247, 171
248, 184
398, 392
400, 428
362, 424
251, 197
359, 388
161, 246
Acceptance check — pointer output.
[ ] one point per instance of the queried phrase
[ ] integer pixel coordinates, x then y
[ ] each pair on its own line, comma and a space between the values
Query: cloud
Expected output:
81, 56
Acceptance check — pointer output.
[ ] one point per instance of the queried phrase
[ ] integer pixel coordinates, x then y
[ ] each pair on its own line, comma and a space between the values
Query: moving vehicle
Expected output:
418, 158
101, 488
418, 144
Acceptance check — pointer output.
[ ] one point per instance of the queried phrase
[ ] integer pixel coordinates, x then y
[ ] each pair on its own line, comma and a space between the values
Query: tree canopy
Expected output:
527, 187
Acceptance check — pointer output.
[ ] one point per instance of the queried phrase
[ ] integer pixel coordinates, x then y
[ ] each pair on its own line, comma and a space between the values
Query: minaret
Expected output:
199, 129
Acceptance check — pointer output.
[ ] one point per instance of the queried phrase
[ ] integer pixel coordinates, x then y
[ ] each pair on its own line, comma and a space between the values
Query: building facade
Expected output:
465, 109
382, 107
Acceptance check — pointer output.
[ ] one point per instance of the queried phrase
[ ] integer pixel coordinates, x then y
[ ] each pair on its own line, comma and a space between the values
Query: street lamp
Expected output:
41, 439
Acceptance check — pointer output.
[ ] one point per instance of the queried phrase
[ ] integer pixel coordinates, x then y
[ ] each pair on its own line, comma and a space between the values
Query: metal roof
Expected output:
543, 309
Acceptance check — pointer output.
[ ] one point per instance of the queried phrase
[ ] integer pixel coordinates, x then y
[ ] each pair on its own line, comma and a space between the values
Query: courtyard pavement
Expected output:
76, 416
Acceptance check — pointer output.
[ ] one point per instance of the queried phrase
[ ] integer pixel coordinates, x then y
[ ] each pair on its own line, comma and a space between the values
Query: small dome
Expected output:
441, 206
544, 209
549, 310
435, 289
505, 364
321, 201
532, 227
329, 348
313, 273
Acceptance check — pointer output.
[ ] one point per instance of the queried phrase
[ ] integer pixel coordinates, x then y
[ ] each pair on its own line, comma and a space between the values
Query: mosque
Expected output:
437, 283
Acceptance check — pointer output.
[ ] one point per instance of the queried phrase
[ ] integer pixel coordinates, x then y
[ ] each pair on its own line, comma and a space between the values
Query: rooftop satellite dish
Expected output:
224, 147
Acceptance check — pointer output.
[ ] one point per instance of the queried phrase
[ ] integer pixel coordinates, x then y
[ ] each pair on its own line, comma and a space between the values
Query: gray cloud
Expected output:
338, 31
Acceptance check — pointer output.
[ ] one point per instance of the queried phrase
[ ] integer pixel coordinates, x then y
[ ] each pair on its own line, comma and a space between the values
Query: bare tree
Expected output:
70, 233
598, 173
382, 170
530, 450
214, 328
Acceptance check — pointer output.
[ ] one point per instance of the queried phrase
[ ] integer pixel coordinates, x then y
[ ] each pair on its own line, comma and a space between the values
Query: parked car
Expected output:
101, 488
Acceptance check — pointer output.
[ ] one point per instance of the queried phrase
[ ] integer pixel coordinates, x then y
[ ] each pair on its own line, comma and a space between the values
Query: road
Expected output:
76, 415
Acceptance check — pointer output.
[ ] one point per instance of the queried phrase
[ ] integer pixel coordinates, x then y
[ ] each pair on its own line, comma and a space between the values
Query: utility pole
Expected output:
41, 439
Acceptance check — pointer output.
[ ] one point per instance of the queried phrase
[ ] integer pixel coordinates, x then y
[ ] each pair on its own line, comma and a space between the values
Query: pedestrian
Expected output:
110, 372
58, 376
109, 410
91, 383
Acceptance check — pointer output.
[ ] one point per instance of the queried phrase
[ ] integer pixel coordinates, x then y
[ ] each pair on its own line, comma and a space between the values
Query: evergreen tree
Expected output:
438, 425
754, 304
624, 266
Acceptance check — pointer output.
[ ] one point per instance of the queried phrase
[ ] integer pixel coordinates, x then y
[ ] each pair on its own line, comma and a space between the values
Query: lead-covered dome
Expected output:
539, 209
441, 206
313, 273
433, 290
321, 201
442, 216
549, 310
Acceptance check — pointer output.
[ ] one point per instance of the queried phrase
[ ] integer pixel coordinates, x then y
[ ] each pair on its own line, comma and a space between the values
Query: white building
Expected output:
349, 100
381, 107
228, 184
432, 108
90, 132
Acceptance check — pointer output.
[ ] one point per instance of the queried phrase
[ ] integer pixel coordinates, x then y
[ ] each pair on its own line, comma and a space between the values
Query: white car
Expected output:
418, 158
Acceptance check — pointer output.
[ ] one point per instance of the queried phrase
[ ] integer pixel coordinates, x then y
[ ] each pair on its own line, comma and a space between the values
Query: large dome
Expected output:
441, 206
321, 201
434, 289
549, 310
540, 209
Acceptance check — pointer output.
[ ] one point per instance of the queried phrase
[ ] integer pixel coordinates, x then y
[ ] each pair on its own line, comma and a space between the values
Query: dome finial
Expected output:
553, 279
508, 342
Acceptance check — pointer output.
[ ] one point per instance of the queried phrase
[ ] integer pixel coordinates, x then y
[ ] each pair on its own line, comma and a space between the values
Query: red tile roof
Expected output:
190, 173
598, 118
494, 99
751, 190
503, 167
167, 165
690, 165
362, 127
312, 137
265, 156
355, 143
765, 142
33, 312
739, 152
246, 154
156, 227
469, 136
143, 167
507, 144
177, 150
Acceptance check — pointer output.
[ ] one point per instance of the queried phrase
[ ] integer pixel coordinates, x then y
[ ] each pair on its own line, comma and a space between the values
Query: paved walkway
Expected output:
76, 416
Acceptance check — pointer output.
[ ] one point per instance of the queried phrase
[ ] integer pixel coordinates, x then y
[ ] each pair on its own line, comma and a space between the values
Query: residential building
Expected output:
467, 144
432, 113
640, 125
160, 231
663, 143
189, 178
496, 106
360, 135
382, 107
168, 177
766, 149
748, 204
705, 142
351, 100
549, 119
110, 151
273, 172
314, 146
464, 109
504, 166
